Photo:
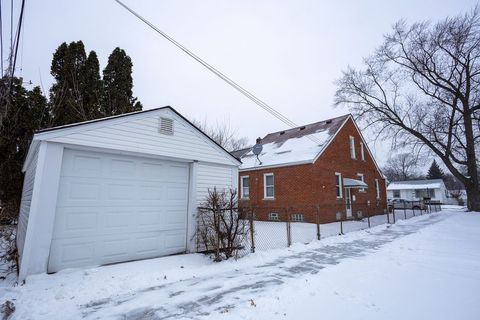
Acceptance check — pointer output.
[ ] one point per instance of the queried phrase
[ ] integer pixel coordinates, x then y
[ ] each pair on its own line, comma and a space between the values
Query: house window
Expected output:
245, 187
396, 193
352, 147
273, 216
361, 178
297, 217
377, 188
424, 193
268, 188
362, 152
338, 184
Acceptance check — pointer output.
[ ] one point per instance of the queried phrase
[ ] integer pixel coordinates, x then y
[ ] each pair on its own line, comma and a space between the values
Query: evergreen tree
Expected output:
75, 95
92, 89
435, 172
118, 84
27, 112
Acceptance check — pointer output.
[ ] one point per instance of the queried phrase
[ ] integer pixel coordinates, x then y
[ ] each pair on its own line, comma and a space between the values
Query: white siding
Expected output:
142, 135
210, 176
409, 194
27, 192
134, 135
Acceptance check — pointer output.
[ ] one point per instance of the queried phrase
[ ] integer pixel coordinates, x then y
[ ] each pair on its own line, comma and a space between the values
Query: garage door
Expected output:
114, 208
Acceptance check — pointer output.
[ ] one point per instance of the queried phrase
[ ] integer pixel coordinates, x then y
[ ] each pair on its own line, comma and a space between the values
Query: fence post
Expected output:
368, 214
388, 214
252, 233
341, 223
318, 221
289, 235
217, 230
405, 210
197, 229
393, 211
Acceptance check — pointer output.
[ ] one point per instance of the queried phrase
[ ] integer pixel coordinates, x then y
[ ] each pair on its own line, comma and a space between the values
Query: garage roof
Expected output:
80, 127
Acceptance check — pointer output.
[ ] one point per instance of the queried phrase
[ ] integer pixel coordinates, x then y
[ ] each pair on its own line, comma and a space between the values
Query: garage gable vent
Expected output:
165, 126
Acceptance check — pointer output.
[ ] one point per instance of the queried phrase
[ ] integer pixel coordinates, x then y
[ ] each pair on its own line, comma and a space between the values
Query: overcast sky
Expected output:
288, 53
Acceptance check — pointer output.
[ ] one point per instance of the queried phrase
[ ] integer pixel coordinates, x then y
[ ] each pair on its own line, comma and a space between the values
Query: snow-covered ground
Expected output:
426, 267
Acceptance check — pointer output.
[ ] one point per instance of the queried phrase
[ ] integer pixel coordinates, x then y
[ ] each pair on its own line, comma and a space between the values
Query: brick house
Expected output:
319, 171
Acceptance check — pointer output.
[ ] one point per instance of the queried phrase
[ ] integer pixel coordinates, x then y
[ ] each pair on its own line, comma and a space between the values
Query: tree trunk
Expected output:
473, 198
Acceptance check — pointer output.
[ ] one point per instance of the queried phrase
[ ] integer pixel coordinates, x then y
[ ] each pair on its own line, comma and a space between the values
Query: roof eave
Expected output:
280, 165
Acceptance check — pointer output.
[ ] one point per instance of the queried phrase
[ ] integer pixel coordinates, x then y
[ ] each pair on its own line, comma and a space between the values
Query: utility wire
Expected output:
17, 36
219, 74
22, 42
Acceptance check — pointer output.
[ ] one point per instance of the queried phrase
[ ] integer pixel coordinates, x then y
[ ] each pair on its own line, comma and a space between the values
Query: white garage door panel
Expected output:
115, 208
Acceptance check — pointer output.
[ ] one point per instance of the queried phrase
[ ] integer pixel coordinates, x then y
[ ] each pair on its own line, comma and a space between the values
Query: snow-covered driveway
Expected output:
425, 267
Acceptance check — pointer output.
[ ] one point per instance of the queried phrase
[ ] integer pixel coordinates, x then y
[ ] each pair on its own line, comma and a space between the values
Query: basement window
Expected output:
297, 217
273, 216
165, 126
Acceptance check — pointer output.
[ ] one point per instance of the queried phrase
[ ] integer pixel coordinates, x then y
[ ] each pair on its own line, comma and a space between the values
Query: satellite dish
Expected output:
257, 149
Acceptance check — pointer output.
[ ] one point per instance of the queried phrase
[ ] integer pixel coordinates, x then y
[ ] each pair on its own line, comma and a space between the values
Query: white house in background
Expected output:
418, 189
116, 189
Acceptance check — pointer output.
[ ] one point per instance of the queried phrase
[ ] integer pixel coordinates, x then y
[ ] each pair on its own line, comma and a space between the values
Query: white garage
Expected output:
117, 189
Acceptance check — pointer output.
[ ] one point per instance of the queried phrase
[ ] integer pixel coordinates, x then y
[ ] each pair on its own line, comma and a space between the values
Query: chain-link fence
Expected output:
266, 228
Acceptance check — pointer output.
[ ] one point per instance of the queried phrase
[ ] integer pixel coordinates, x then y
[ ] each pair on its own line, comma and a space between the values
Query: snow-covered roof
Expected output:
416, 184
298, 145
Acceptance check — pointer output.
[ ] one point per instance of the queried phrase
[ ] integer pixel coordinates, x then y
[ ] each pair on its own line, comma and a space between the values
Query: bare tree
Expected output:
453, 183
457, 195
401, 167
223, 134
422, 89
221, 229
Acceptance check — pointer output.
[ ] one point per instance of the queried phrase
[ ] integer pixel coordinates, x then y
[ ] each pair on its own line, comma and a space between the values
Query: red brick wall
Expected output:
304, 188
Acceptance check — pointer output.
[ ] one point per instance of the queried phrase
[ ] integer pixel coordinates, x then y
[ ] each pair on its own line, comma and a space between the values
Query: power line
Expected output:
22, 42
219, 74
17, 36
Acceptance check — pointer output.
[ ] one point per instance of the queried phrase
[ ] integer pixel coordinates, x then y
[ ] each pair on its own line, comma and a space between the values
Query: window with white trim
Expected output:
377, 188
338, 184
268, 186
274, 216
244, 187
352, 147
361, 177
362, 152
297, 217
396, 193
